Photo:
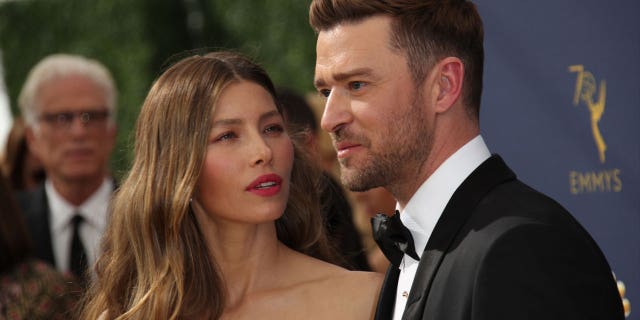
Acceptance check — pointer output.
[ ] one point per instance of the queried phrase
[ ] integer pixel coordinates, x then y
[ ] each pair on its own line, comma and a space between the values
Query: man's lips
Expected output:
78, 152
345, 148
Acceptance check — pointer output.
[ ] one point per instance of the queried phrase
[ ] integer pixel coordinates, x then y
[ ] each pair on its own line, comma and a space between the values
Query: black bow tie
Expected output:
393, 238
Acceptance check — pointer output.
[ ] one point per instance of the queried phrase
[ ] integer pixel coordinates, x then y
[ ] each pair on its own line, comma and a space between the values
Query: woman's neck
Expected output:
248, 258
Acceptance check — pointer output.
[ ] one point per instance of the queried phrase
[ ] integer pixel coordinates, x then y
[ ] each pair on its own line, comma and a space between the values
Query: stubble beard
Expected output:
397, 158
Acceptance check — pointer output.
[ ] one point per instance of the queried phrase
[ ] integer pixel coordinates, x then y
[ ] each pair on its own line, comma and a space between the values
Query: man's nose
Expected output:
78, 125
337, 111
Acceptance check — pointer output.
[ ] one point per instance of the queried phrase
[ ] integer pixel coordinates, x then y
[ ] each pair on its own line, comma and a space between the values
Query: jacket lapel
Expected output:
489, 174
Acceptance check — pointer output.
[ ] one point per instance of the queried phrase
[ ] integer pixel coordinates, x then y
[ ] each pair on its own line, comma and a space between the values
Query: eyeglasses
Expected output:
63, 120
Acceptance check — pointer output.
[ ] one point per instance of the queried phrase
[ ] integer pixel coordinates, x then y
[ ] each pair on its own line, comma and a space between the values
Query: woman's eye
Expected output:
226, 136
276, 128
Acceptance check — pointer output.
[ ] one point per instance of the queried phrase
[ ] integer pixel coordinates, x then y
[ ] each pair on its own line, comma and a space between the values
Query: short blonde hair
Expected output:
57, 66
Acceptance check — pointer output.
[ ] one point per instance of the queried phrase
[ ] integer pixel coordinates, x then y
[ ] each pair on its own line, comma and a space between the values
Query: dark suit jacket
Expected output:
35, 209
502, 250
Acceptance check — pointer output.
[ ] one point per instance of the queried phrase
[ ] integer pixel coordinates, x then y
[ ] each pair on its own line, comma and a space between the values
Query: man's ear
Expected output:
448, 82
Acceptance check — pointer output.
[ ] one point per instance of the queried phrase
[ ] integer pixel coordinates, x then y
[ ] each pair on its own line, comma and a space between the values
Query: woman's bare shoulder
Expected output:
351, 294
322, 274
357, 282
319, 270
308, 288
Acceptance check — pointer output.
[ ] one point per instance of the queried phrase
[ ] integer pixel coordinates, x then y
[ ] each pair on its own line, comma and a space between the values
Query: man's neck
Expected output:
76, 192
440, 151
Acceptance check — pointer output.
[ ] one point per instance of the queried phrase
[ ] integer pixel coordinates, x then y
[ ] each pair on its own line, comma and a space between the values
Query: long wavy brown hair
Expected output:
155, 262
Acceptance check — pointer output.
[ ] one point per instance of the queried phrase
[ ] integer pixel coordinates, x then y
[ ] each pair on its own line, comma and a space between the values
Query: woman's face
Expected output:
249, 157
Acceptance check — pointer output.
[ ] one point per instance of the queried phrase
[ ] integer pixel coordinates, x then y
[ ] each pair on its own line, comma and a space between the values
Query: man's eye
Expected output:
325, 92
64, 117
357, 85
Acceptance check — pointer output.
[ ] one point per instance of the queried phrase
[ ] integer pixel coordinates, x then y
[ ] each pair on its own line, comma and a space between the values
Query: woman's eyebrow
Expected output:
235, 121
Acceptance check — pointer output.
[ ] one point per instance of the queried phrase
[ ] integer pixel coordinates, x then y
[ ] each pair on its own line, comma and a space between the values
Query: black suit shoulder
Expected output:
35, 209
543, 271
515, 204
521, 255
33, 204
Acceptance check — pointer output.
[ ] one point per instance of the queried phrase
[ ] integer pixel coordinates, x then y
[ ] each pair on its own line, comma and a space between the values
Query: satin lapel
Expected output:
489, 174
387, 297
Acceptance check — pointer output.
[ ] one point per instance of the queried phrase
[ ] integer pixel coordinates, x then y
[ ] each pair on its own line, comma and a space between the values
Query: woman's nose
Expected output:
262, 153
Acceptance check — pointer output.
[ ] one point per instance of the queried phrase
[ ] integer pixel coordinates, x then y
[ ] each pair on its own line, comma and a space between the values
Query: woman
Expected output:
20, 165
219, 213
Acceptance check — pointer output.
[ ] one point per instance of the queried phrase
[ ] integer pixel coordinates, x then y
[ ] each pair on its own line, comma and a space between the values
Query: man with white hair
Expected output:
69, 105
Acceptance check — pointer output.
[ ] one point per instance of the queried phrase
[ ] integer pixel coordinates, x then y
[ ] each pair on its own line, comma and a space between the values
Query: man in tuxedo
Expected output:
402, 81
69, 104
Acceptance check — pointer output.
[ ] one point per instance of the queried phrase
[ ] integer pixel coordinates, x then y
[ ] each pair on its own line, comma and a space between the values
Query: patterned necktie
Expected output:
393, 238
78, 258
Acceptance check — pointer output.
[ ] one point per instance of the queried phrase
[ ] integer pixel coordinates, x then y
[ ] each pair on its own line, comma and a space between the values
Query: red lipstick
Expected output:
266, 185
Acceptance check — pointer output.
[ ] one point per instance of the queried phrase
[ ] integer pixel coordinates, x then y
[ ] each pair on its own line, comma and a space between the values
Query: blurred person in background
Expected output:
324, 145
366, 205
69, 106
22, 168
336, 208
29, 288
219, 216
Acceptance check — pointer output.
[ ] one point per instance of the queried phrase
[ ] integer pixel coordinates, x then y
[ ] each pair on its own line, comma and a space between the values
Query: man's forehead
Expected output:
361, 38
372, 31
342, 53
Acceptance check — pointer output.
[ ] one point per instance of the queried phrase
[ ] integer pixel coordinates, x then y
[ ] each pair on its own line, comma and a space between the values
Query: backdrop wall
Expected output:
561, 105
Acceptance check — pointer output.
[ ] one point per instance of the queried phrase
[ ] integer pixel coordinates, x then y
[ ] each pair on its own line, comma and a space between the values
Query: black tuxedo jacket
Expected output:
35, 209
502, 250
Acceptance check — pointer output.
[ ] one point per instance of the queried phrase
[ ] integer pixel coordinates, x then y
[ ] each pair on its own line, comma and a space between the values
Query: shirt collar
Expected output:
93, 210
425, 207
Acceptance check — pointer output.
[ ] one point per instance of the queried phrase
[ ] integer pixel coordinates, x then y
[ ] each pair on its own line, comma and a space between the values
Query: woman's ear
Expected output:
195, 205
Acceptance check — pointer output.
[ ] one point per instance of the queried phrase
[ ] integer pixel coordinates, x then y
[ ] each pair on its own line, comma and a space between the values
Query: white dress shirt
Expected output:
425, 207
94, 212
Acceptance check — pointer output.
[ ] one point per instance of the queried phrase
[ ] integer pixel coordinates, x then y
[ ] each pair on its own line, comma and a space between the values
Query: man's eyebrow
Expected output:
345, 75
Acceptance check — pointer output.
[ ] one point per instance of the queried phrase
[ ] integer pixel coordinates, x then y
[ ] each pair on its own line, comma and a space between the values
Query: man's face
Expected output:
73, 138
374, 112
